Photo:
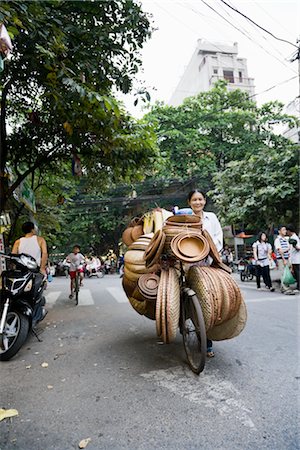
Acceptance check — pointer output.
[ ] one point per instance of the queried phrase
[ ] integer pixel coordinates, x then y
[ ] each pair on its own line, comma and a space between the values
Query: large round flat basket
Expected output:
190, 246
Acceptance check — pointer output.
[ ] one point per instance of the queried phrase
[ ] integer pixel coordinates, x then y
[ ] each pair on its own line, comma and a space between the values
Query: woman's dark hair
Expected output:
260, 235
27, 227
194, 192
76, 246
291, 228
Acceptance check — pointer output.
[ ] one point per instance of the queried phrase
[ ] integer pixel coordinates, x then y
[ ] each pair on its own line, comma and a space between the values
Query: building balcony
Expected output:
234, 82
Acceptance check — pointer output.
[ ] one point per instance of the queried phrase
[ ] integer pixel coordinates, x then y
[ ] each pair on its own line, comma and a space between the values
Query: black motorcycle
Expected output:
21, 302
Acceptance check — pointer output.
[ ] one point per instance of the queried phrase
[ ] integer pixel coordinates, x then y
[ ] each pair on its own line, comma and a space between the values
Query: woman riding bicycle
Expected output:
210, 223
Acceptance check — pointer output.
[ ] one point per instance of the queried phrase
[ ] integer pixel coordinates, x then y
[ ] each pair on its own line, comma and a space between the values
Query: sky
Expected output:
179, 24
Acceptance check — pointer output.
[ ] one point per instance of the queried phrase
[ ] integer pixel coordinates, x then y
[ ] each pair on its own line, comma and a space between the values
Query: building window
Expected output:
240, 76
215, 71
228, 75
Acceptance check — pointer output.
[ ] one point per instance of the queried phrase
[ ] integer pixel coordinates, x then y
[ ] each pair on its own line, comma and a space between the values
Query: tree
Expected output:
56, 89
227, 144
260, 191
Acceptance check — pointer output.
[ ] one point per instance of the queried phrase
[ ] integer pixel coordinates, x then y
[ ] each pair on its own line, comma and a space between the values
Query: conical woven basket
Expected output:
231, 328
199, 284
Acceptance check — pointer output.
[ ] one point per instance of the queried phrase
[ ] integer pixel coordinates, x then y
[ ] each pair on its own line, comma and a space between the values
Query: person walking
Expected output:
210, 223
262, 252
282, 250
294, 242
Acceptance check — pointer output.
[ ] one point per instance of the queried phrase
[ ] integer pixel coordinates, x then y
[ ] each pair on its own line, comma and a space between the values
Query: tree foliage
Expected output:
227, 144
261, 190
56, 89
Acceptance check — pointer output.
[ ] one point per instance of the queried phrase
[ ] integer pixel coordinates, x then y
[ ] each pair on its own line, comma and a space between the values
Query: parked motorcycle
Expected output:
21, 302
246, 270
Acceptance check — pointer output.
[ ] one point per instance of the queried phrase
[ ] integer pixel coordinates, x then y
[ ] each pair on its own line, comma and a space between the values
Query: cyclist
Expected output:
76, 260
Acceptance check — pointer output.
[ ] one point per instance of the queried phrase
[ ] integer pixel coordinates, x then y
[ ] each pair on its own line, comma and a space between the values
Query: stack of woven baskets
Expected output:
152, 286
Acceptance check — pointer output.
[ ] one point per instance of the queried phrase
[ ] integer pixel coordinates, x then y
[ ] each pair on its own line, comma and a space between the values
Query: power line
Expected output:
261, 34
271, 17
275, 85
238, 29
256, 24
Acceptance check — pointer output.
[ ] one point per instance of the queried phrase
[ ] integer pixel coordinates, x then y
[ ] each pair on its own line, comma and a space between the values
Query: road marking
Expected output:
51, 297
118, 294
85, 297
211, 390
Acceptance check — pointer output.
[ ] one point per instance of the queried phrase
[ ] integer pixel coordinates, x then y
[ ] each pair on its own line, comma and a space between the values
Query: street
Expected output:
110, 379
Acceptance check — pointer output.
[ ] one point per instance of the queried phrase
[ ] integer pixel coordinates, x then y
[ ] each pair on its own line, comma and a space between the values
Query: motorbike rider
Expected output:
35, 246
76, 260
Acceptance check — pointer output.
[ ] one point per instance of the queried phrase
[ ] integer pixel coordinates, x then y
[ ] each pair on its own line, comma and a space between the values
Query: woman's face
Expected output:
197, 203
263, 237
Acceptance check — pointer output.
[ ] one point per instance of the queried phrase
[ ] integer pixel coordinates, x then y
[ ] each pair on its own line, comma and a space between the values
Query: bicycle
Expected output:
76, 287
191, 322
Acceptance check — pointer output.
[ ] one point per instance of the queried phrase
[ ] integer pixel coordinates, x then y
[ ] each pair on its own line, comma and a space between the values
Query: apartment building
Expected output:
209, 63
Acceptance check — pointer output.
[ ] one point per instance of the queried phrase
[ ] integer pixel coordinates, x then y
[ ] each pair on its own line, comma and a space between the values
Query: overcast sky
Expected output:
181, 23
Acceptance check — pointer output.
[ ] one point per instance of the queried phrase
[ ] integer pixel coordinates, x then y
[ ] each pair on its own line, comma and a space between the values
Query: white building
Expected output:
211, 62
293, 109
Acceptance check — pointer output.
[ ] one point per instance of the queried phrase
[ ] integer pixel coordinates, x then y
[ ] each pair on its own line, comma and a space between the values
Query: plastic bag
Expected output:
287, 277
50, 277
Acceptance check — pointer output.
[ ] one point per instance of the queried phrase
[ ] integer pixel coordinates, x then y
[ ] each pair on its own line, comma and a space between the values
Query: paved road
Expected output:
111, 380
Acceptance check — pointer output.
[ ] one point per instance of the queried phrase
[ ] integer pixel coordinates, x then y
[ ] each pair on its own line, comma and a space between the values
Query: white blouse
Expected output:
212, 225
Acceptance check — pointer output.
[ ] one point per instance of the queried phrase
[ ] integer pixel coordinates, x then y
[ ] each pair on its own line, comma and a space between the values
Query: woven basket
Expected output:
183, 219
139, 307
136, 232
134, 257
148, 285
132, 276
173, 304
126, 236
138, 295
231, 328
141, 269
155, 248
190, 246
164, 331
213, 252
128, 286
158, 306
215, 293
150, 310
199, 284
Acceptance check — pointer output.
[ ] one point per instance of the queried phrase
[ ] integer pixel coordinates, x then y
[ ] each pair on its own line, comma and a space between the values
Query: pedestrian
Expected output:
262, 252
227, 256
210, 223
32, 245
294, 242
76, 260
282, 250
35, 246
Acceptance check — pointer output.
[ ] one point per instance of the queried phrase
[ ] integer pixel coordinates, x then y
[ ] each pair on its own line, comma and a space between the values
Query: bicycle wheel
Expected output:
193, 331
76, 288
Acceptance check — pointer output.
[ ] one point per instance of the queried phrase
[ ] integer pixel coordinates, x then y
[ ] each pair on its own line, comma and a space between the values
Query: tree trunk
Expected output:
3, 148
